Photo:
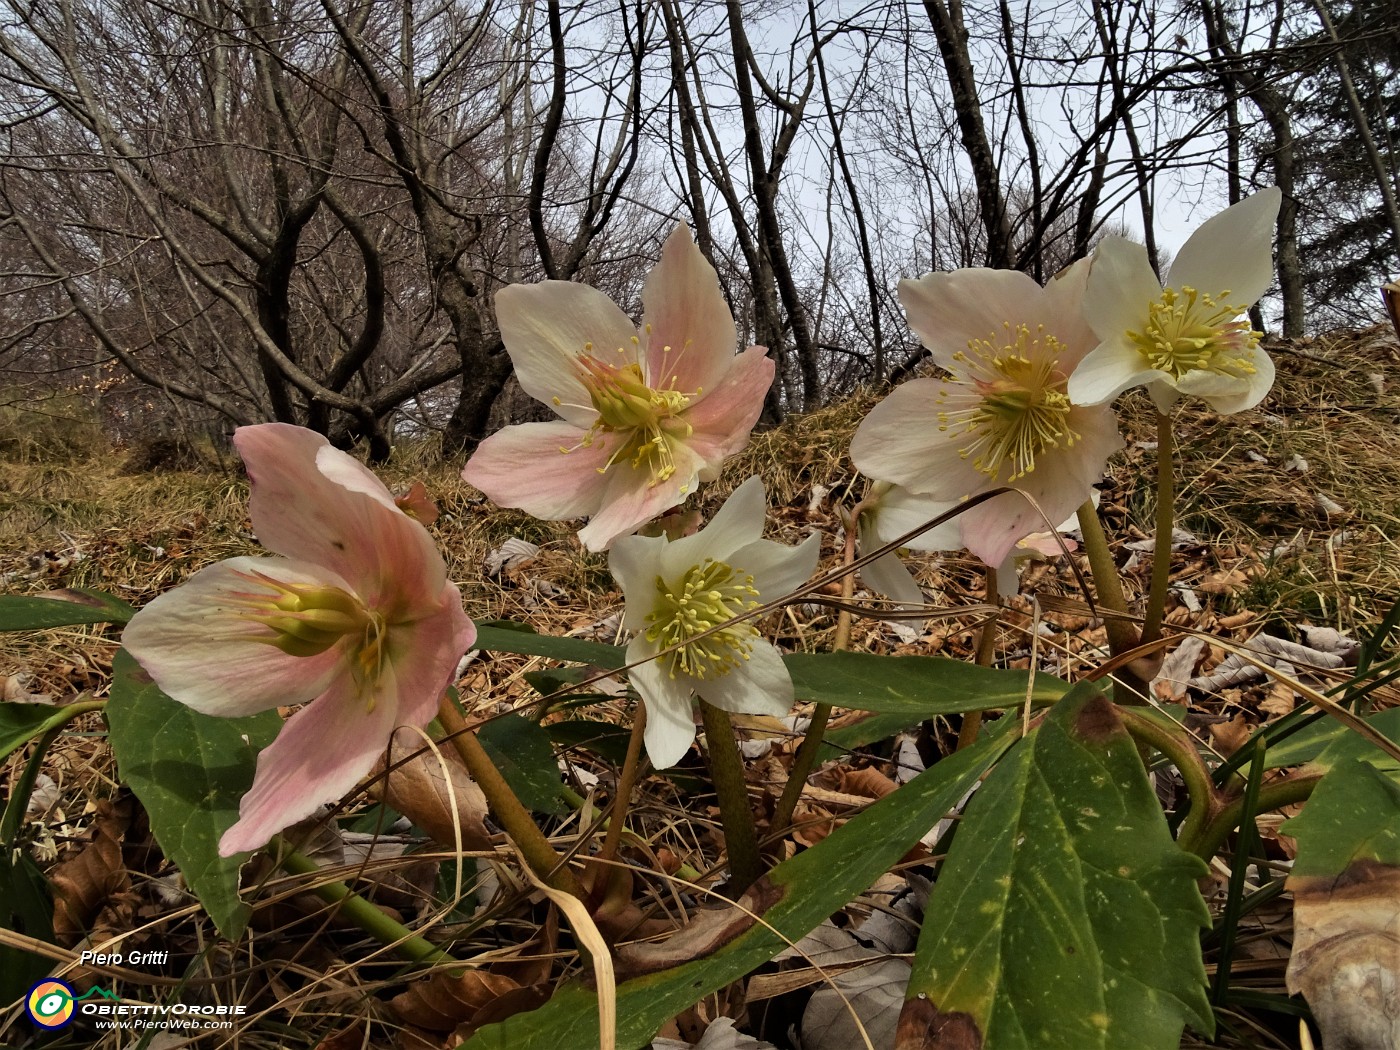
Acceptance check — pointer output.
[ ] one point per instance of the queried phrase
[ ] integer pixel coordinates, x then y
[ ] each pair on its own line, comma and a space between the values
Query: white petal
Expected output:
545, 326
1120, 287
900, 510
888, 576
760, 685
1237, 395
949, 310
736, 524
776, 568
1114, 366
1232, 251
670, 727
899, 441
634, 562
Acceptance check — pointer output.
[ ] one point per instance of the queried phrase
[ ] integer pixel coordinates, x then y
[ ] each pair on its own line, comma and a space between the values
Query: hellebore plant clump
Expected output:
1063, 876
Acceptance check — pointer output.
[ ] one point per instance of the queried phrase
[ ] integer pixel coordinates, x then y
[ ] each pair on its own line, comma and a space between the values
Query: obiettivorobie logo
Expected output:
52, 1004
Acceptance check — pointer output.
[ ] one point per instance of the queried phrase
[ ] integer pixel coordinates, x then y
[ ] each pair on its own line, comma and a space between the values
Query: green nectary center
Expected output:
648, 419
307, 619
1017, 408
1187, 331
705, 596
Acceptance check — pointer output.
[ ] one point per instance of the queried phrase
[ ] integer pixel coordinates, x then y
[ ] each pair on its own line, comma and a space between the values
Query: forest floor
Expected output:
1288, 518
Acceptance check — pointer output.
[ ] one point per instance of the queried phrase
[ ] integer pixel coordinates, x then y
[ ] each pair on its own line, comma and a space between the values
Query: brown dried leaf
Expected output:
1227, 581
1346, 954
349, 1038
85, 884
442, 1002
419, 789
867, 782
1229, 737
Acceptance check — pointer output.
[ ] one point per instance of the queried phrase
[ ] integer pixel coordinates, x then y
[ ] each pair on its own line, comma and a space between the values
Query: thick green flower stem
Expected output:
1206, 841
362, 913
727, 774
512, 815
1166, 519
1177, 745
1127, 687
626, 780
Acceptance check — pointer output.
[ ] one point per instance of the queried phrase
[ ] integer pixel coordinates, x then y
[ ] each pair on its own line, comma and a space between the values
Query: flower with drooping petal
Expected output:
644, 415
1188, 337
677, 589
1002, 417
891, 511
887, 513
357, 620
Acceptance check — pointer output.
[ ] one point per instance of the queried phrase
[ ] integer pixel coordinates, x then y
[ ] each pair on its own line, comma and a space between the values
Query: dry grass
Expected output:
83, 522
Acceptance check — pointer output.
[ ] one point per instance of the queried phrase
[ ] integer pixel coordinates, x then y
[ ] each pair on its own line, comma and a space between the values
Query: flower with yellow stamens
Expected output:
679, 591
1002, 417
356, 620
645, 415
1188, 337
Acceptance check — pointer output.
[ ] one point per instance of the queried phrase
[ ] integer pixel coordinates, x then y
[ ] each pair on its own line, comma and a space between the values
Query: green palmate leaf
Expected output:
793, 899
21, 613
1065, 917
913, 685
189, 770
524, 753
1354, 815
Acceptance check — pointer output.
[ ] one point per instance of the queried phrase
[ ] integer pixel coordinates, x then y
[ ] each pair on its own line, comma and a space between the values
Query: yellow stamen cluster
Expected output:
707, 595
1017, 407
648, 418
1188, 332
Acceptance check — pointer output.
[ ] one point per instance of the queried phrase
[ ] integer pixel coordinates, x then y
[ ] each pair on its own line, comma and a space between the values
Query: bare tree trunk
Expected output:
951, 34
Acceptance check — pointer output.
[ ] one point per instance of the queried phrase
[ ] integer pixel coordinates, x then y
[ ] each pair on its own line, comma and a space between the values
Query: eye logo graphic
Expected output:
50, 1004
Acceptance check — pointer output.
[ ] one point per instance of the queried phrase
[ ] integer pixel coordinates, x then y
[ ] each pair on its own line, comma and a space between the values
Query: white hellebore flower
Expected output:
1002, 417
677, 589
1188, 337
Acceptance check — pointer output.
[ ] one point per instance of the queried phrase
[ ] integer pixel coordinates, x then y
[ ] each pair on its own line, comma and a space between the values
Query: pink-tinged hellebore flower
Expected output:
1002, 417
644, 415
1188, 337
357, 620
676, 589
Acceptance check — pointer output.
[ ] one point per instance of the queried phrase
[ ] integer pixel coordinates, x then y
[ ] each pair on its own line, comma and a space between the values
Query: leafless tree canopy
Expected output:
217, 212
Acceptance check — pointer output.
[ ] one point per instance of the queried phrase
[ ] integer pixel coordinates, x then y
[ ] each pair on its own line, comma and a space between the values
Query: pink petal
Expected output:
546, 326
320, 754
425, 654
630, 499
198, 648
522, 467
685, 310
299, 511
723, 418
